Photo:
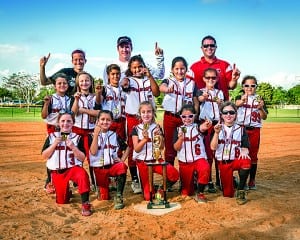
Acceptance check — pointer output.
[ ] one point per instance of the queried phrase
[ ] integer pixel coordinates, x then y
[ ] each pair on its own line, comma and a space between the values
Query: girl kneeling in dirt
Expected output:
230, 141
64, 152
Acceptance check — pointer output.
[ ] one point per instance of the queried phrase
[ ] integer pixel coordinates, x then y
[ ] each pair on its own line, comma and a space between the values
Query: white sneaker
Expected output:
136, 186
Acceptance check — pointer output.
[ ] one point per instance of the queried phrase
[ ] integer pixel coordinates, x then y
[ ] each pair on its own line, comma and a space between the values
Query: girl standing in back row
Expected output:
251, 112
139, 85
178, 91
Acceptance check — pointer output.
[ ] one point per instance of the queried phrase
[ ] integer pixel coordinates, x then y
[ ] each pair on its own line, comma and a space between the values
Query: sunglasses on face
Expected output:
230, 112
187, 116
249, 85
210, 78
63, 111
209, 45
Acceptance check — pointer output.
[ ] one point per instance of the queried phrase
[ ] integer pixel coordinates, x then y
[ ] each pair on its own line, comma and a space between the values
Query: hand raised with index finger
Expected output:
235, 72
158, 50
44, 60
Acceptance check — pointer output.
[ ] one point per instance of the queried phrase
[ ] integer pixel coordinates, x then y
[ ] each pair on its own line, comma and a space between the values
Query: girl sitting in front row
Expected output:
191, 154
104, 160
65, 153
230, 141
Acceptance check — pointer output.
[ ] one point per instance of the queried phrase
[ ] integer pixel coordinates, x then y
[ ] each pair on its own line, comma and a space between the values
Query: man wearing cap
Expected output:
124, 47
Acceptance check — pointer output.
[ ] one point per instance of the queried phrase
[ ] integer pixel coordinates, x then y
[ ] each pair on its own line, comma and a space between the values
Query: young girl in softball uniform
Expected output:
142, 136
139, 86
178, 91
86, 107
191, 154
210, 99
65, 153
230, 141
53, 105
251, 112
104, 159
114, 100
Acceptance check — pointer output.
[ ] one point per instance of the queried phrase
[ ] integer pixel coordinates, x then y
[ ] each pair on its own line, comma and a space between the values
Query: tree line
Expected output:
27, 87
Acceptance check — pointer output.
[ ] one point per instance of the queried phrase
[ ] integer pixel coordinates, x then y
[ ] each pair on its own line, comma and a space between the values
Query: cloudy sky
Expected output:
261, 36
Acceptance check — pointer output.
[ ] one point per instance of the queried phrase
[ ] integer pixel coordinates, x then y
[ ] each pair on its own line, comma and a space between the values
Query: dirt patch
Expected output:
27, 212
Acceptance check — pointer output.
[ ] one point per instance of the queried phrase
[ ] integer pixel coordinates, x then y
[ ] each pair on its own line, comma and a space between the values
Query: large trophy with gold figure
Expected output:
158, 194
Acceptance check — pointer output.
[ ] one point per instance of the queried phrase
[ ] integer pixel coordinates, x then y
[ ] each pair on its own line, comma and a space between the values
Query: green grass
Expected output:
283, 115
20, 114
34, 114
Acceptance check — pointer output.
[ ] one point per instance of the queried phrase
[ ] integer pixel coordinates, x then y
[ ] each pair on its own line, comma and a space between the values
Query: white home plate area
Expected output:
142, 207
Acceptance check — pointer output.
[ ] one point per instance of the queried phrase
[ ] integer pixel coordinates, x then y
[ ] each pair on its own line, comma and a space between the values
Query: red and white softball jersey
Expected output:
146, 153
107, 150
84, 121
62, 157
231, 139
209, 109
139, 91
114, 101
183, 94
57, 103
248, 114
192, 147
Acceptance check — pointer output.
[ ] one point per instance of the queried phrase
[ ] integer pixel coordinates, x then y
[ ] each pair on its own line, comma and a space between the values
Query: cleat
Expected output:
136, 187
49, 188
86, 209
241, 197
118, 201
200, 198
211, 188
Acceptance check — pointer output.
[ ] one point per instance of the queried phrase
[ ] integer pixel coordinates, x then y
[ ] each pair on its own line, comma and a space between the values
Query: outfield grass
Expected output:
34, 114
283, 115
20, 114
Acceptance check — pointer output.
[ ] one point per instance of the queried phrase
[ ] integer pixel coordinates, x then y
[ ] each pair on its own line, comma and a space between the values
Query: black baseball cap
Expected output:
124, 39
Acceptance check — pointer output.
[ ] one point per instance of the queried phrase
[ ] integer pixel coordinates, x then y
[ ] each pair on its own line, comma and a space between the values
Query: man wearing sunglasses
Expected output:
228, 75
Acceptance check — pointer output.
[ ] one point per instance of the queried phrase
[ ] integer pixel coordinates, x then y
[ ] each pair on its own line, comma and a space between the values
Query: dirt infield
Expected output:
27, 212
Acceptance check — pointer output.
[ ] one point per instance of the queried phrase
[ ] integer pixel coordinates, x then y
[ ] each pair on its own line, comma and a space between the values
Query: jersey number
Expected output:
197, 149
255, 117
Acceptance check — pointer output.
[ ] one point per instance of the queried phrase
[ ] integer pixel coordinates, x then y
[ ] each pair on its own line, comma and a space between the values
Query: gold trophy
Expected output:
146, 126
156, 147
258, 98
64, 136
158, 197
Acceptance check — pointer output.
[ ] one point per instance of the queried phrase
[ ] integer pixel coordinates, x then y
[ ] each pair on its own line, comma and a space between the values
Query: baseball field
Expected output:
27, 212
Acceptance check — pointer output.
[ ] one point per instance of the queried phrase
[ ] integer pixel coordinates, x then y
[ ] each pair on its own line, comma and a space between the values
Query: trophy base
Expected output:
159, 205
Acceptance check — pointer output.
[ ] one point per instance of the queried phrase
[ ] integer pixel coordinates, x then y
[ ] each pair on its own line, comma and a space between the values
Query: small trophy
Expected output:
258, 98
64, 136
146, 126
101, 160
